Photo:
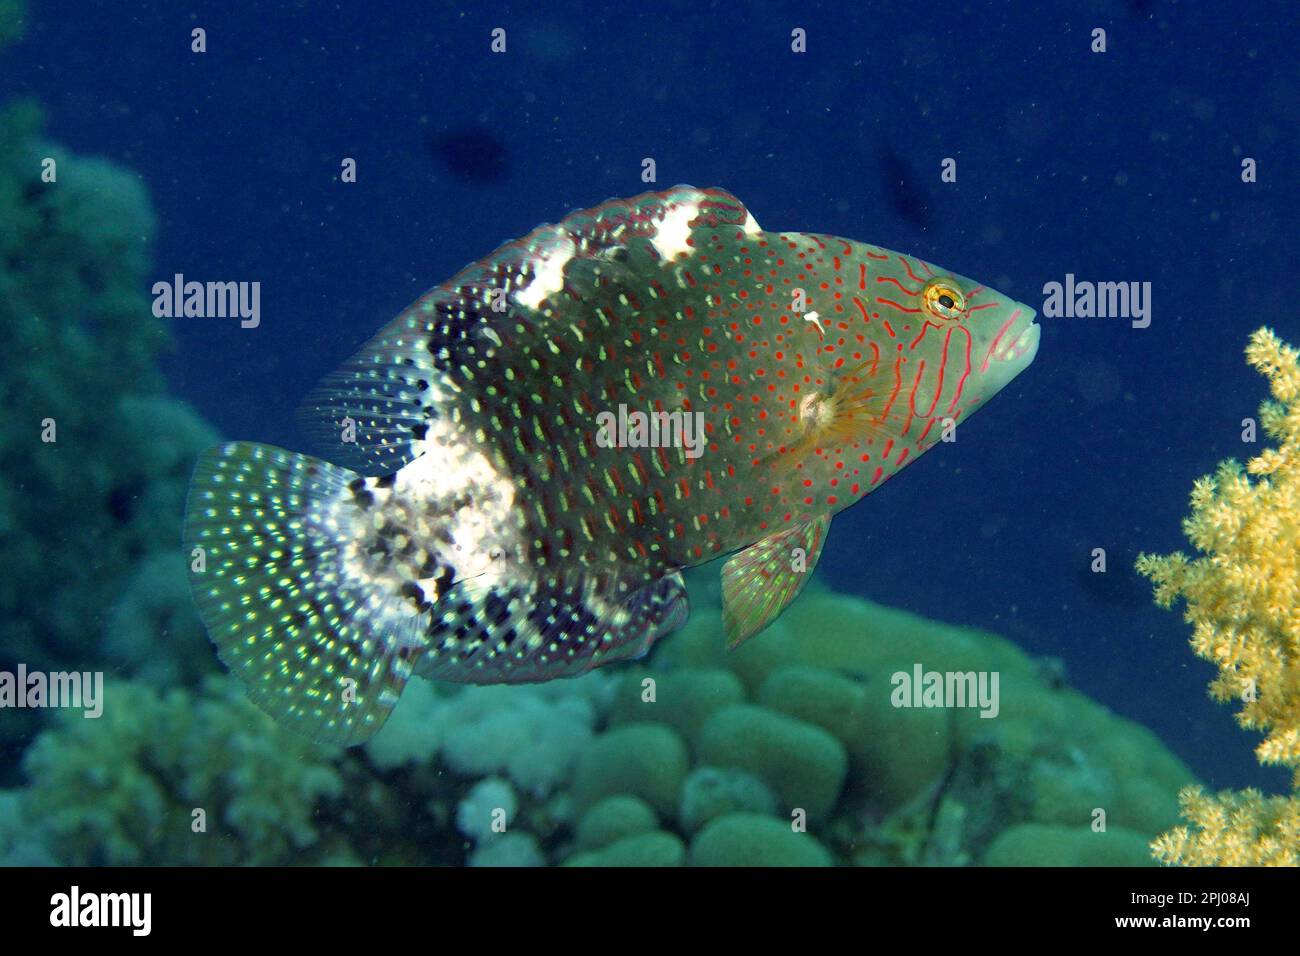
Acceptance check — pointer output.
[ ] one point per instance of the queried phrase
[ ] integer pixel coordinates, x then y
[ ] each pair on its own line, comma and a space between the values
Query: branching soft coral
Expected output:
1243, 600
1233, 829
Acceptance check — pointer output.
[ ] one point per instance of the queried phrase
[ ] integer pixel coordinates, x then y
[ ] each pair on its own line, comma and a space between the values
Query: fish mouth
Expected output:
1019, 347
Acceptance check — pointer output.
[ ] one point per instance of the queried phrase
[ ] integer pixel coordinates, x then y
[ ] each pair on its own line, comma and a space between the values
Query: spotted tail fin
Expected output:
320, 644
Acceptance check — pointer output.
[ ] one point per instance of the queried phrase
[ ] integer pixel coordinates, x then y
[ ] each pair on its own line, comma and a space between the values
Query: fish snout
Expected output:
1019, 343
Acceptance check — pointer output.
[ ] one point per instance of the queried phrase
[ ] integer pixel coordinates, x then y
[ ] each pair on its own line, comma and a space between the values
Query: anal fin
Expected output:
761, 581
526, 632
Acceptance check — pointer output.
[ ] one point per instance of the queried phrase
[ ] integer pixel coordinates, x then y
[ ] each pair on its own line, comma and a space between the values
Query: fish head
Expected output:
981, 338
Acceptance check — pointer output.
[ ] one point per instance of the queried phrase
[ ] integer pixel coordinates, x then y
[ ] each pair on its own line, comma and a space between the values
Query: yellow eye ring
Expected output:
944, 300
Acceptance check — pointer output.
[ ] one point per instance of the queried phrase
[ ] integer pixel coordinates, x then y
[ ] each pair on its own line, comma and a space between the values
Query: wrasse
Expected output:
484, 524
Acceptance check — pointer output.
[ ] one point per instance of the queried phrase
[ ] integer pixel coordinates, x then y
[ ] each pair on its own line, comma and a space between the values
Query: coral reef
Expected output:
751, 839
777, 754
800, 727
94, 458
531, 735
614, 818
656, 848
175, 778
1242, 594
1041, 844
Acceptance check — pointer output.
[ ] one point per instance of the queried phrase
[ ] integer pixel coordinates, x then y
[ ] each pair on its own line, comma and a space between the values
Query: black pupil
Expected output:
946, 301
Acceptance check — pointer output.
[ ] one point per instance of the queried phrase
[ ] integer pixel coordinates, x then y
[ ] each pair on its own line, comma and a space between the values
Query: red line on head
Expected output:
894, 305
897, 283
898, 387
988, 356
961, 382
908, 266
938, 389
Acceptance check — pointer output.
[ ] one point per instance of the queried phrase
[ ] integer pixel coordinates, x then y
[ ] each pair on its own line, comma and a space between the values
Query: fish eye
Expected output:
944, 300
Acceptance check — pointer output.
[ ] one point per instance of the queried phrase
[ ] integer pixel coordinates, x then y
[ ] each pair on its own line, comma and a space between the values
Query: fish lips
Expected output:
1020, 343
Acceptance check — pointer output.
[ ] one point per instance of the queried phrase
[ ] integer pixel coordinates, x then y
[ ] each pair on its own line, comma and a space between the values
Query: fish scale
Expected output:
505, 536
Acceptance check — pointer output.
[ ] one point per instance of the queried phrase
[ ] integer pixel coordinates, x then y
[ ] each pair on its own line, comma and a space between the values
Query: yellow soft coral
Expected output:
1243, 599
1233, 829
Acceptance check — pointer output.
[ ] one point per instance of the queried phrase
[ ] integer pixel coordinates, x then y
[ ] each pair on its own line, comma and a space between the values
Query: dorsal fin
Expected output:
371, 413
390, 390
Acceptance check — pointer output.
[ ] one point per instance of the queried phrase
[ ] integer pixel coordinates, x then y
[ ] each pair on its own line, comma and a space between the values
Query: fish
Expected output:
474, 515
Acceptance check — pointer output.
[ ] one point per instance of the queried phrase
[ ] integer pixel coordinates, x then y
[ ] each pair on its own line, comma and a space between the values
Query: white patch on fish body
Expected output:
450, 504
484, 533
548, 277
674, 230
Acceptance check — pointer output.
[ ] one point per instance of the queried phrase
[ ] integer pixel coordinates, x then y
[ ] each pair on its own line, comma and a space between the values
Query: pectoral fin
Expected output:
761, 581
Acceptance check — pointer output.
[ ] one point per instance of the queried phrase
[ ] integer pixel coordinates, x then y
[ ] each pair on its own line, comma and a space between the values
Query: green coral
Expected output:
806, 730
1038, 844
750, 839
178, 778
802, 763
689, 698
109, 488
711, 792
658, 848
1024, 787
614, 818
646, 760
890, 785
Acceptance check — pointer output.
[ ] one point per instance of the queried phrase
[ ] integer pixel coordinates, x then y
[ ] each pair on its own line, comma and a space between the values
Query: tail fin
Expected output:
318, 645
